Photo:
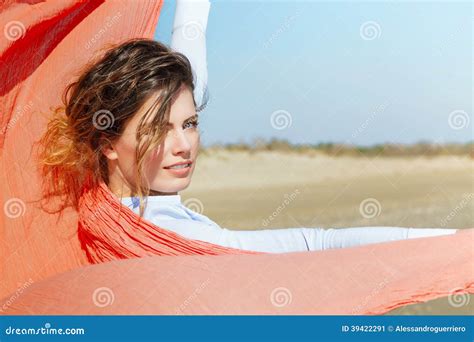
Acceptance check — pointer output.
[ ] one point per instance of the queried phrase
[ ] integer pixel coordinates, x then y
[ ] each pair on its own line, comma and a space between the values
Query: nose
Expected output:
180, 143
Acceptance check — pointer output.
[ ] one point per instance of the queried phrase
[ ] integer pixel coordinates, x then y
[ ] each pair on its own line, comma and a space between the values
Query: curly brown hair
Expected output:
96, 108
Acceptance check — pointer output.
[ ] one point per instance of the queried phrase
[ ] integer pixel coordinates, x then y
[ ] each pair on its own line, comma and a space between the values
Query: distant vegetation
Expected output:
334, 149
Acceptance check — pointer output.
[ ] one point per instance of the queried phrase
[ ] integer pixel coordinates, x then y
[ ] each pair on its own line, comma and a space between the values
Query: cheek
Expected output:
155, 157
154, 162
195, 141
126, 156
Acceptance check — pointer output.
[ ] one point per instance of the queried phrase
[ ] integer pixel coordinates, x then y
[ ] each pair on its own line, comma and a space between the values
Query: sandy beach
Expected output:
262, 190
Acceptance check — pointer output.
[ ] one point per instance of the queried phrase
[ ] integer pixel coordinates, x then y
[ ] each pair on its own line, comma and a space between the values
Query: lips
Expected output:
179, 165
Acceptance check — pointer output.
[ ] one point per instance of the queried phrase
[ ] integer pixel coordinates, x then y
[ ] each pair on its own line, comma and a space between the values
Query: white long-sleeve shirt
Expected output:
189, 38
169, 213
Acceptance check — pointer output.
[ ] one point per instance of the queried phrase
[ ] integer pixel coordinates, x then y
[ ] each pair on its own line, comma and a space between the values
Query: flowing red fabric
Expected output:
44, 270
372, 279
110, 231
43, 47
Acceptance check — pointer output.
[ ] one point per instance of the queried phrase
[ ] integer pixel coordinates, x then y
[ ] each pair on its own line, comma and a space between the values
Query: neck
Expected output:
159, 193
124, 191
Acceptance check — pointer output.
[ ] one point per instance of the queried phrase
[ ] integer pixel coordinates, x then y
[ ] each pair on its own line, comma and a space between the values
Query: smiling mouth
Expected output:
177, 167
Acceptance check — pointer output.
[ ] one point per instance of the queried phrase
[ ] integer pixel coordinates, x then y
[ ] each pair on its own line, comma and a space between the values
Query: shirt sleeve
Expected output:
317, 239
357, 236
267, 240
189, 38
286, 240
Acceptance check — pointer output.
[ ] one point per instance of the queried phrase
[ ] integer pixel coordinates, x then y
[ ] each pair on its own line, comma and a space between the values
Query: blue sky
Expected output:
344, 72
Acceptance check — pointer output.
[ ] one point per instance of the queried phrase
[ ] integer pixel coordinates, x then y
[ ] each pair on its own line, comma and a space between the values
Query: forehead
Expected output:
182, 108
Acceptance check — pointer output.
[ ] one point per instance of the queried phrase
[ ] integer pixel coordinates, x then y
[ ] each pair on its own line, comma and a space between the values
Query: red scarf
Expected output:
109, 230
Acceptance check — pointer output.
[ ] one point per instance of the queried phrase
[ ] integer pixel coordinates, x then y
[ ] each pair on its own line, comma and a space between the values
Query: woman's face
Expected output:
180, 145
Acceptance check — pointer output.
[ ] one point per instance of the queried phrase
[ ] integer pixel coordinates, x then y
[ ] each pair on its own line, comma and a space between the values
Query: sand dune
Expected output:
241, 190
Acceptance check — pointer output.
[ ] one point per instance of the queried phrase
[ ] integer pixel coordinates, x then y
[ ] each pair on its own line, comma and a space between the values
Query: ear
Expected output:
109, 151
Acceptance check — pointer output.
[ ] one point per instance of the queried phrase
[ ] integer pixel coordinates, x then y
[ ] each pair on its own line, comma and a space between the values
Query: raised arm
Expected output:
189, 38
357, 236
316, 239
294, 239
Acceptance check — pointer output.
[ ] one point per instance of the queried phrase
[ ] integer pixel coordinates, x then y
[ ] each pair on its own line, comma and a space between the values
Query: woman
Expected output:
131, 121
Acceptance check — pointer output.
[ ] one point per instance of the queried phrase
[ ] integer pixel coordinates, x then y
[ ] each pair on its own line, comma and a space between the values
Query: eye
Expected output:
191, 124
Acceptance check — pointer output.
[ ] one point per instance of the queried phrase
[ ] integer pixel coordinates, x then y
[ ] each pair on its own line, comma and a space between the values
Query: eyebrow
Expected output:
192, 117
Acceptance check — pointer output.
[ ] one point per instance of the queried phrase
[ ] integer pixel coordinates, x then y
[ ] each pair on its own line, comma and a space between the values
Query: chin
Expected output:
175, 185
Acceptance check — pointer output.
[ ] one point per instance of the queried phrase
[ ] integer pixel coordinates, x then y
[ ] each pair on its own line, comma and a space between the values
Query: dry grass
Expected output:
426, 149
